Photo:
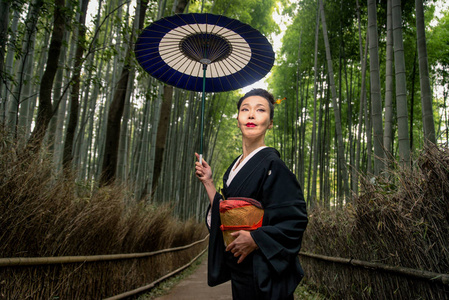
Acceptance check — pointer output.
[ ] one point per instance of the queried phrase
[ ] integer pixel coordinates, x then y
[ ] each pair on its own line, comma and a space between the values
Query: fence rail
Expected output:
409, 272
35, 261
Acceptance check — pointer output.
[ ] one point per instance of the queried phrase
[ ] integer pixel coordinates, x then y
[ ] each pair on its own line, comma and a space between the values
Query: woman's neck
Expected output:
251, 145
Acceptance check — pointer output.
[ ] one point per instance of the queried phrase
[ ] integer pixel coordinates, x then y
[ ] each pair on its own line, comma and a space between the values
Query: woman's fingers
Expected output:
242, 245
199, 169
241, 258
204, 163
202, 171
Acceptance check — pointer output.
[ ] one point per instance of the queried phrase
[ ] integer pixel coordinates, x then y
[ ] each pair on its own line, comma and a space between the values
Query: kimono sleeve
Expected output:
217, 272
285, 218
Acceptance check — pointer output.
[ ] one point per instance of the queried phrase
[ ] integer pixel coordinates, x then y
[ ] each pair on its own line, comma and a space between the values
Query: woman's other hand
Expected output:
243, 245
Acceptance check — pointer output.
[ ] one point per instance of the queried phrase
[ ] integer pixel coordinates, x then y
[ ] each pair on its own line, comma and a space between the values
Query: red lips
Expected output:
250, 125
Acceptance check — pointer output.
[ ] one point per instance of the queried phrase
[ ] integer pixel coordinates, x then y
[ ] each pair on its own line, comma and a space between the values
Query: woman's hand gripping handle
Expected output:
204, 173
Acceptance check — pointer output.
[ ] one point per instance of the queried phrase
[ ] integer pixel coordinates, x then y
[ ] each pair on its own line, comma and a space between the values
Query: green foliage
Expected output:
438, 45
257, 13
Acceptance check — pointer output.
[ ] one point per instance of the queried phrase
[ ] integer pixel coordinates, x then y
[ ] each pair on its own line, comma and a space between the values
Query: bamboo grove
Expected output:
353, 75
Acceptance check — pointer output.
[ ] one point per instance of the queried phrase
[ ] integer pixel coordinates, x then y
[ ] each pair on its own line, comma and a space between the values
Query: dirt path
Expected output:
195, 287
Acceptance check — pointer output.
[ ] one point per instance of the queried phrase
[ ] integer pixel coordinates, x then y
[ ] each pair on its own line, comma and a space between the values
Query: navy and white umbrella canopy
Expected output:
177, 49
204, 53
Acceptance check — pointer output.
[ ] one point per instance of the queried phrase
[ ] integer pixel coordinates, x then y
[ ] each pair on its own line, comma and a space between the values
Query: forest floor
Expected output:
192, 285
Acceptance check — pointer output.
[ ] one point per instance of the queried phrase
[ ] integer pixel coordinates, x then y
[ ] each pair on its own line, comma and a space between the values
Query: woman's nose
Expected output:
251, 115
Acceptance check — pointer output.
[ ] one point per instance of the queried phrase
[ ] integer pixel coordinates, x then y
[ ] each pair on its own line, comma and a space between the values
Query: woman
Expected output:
261, 264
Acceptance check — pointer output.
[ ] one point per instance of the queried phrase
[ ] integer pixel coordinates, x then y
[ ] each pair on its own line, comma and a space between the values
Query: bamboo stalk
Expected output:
33, 261
420, 274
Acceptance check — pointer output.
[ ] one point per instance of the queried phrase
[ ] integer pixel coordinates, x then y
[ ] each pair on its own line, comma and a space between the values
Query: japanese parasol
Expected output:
204, 53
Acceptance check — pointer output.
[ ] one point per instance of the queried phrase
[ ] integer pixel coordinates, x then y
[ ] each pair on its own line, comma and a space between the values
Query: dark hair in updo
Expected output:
262, 93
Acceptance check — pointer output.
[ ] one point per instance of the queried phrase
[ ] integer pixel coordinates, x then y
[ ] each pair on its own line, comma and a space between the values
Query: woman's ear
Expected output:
271, 124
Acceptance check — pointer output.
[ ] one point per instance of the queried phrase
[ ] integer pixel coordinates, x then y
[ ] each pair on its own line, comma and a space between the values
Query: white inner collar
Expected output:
235, 171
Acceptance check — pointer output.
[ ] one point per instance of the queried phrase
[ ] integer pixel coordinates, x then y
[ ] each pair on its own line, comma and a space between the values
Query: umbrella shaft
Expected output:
202, 108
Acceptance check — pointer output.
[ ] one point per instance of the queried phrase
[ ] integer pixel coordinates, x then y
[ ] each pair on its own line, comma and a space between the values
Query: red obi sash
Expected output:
238, 213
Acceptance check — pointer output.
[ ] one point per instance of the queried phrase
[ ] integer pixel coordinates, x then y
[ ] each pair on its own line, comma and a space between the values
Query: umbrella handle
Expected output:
201, 159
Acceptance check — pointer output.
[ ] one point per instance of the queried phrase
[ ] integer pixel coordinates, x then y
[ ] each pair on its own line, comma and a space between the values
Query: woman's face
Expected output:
254, 117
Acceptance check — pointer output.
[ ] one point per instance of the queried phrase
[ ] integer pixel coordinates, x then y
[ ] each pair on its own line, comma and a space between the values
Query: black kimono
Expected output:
274, 268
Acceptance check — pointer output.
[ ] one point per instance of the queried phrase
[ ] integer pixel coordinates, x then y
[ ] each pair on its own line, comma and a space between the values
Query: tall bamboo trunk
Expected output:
376, 99
123, 158
312, 199
362, 109
327, 165
5, 95
155, 121
412, 100
142, 166
4, 21
424, 80
401, 88
303, 132
318, 174
56, 127
162, 130
388, 130
297, 127
74, 101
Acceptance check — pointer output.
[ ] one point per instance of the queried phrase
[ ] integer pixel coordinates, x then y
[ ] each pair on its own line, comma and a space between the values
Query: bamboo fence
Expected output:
93, 277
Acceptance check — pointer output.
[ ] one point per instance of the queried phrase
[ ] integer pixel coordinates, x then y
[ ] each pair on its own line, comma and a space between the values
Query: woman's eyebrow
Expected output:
258, 104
